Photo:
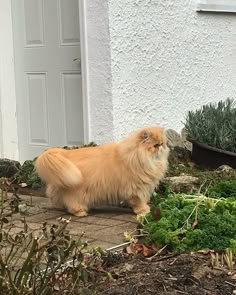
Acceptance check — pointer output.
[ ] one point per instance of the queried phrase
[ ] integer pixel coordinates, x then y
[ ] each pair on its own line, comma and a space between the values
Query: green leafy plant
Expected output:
214, 125
192, 222
223, 189
28, 175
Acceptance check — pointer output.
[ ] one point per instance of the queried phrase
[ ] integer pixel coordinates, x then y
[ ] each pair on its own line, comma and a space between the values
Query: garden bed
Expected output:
166, 275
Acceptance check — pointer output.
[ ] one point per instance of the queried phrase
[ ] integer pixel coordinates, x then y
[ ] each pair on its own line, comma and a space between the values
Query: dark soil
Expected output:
167, 275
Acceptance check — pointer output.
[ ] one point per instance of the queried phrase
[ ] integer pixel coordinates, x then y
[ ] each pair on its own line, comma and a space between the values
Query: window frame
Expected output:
216, 5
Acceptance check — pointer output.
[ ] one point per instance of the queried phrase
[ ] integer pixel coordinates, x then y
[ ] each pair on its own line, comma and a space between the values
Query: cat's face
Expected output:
154, 141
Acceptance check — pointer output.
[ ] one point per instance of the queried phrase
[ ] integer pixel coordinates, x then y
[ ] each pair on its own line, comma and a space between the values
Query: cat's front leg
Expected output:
139, 206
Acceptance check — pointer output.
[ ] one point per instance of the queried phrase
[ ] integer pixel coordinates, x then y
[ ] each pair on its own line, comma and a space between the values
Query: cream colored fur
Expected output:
129, 171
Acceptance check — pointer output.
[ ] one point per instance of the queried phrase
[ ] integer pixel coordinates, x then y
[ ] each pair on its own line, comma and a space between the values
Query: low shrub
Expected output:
214, 125
28, 175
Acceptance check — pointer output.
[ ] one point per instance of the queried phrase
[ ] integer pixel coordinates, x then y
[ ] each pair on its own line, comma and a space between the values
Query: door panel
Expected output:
69, 31
37, 104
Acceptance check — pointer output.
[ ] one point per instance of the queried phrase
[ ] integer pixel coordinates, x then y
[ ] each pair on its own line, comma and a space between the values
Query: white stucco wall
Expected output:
166, 58
98, 69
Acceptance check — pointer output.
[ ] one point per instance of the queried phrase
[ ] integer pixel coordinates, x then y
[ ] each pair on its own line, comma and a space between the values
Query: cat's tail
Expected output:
56, 169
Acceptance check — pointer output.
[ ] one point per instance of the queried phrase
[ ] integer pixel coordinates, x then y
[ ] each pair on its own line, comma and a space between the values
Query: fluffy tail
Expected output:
56, 169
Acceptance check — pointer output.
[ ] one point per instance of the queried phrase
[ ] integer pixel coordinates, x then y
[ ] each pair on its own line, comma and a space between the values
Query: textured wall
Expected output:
99, 71
166, 59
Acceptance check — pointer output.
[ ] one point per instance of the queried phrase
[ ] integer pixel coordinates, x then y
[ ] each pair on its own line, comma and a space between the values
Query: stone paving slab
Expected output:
94, 220
114, 234
104, 227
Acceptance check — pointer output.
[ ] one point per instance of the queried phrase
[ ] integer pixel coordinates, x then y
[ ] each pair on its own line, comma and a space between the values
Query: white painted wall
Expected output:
166, 59
98, 71
8, 126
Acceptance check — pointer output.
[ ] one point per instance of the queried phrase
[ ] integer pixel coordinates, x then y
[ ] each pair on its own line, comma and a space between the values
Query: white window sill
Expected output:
216, 5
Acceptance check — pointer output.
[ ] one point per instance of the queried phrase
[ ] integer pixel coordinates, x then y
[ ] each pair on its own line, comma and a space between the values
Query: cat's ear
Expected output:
146, 135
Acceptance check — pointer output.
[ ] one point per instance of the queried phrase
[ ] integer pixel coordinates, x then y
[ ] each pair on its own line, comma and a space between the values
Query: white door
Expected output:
48, 74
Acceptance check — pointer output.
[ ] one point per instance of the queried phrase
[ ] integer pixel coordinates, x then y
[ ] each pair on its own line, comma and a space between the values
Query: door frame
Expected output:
9, 142
84, 69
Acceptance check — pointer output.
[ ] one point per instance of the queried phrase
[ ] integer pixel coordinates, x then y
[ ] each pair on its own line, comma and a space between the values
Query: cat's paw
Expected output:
142, 210
80, 213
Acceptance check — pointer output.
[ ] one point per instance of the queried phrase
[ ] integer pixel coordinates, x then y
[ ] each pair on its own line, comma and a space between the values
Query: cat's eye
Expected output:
157, 145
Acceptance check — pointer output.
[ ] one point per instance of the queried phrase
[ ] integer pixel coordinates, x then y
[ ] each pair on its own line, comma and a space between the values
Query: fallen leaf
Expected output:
138, 248
147, 252
131, 250
144, 250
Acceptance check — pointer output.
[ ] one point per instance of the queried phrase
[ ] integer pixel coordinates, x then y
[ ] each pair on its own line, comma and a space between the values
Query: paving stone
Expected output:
95, 220
49, 214
101, 244
83, 238
127, 226
77, 228
114, 234
126, 217
89, 230
103, 227
35, 229
31, 225
108, 211
37, 200
17, 222
13, 230
30, 211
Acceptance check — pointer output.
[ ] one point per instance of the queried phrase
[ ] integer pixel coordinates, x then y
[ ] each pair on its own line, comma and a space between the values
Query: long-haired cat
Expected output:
129, 171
